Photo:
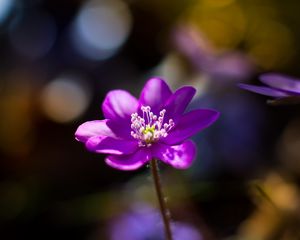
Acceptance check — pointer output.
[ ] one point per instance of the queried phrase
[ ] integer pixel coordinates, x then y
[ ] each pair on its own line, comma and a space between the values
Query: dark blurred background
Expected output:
60, 58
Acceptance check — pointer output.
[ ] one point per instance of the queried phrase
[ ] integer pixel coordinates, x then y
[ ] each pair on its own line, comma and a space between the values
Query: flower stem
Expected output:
161, 199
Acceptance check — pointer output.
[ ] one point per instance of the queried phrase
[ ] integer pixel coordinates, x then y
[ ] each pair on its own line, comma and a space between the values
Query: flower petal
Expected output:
178, 156
121, 128
109, 145
129, 162
189, 124
154, 94
119, 104
264, 90
281, 82
178, 102
92, 129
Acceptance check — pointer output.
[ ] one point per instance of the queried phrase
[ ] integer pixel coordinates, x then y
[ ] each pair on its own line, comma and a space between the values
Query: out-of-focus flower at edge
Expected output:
215, 72
143, 222
284, 89
228, 136
229, 65
155, 126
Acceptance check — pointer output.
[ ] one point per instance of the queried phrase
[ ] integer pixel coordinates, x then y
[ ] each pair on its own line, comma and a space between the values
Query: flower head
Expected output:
278, 86
135, 131
228, 65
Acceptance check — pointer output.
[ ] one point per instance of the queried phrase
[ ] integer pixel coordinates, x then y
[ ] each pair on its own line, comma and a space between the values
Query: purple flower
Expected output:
229, 65
278, 86
135, 131
144, 223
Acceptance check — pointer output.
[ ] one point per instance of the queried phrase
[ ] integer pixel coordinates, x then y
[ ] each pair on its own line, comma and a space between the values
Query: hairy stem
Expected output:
161, 199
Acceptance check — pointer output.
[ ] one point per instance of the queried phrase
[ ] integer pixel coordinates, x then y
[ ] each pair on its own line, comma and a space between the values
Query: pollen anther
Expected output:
150, 128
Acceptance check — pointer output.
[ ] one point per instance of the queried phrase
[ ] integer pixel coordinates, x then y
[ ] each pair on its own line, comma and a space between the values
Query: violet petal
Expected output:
121, 128
154, 94
178, 102
109, 145
264, 90
93, 128
119, 104
281, 82
179, 156
131, 161
189, 124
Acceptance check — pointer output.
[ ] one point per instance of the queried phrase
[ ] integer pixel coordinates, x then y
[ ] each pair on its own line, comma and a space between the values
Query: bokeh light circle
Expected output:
34, 35
65, 98
5, 9
101, 28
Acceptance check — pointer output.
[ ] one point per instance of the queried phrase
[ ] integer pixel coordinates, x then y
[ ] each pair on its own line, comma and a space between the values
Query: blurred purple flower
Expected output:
231, 135
278, 86
230, 65
144, 223
155, 126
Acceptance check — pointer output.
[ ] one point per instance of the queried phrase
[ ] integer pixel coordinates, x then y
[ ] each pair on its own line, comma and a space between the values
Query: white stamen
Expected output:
149, 128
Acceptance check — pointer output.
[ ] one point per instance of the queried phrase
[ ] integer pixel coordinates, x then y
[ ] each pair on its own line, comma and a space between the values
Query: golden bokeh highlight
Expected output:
17, 113
273, 45
254, 27
277, 202
217, 3
224, 26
